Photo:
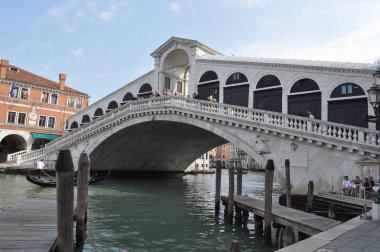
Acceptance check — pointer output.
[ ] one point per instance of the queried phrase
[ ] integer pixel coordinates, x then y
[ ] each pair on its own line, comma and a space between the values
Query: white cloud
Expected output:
360, 45
175, 7
78, 53
108, 14
243, 3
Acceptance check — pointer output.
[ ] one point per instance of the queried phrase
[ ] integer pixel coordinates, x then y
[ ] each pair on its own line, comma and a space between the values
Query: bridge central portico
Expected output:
167, 133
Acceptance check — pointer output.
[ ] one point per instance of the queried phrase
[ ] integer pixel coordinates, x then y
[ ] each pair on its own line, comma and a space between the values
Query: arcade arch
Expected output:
348, 105
236, 91
208, 85
145, 91
10, 144
304, 97
268, 94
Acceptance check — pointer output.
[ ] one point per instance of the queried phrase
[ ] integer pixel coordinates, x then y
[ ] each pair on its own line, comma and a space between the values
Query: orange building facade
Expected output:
33, 109
221, 153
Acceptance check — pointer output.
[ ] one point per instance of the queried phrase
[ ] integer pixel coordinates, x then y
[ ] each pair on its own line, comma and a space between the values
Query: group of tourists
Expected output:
358, 187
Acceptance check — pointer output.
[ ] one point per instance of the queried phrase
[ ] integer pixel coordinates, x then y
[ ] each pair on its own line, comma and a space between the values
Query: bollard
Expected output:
82, 199
65, 201
309, 201
269, 170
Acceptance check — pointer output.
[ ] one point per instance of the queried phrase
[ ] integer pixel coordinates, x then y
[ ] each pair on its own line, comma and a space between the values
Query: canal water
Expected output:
172, 213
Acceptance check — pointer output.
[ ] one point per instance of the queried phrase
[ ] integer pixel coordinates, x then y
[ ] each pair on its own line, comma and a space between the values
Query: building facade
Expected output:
33, 109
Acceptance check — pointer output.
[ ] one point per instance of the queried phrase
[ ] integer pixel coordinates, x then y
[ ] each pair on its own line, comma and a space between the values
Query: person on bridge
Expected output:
39, 166
346, 186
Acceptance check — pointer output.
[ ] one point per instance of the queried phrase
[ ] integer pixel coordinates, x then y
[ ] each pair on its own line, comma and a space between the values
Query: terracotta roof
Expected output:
22, 75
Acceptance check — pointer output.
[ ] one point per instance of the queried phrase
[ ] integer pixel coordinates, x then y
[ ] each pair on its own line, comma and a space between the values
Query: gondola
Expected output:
52, 183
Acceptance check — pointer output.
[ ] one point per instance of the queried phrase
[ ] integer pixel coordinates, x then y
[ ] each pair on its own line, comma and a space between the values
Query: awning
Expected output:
44, 136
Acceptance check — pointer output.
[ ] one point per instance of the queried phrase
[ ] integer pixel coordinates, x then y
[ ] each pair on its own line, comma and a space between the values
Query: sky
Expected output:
104, 44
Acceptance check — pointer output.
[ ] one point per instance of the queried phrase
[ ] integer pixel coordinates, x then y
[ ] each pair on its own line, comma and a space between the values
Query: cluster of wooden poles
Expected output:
65, 201
241, 216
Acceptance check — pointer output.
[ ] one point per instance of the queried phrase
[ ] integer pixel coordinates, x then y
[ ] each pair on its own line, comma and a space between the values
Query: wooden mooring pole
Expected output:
288, 185
82, 199
239, 186
65, 201
235, 246
218, 181
230, 213
309, 198
269, 170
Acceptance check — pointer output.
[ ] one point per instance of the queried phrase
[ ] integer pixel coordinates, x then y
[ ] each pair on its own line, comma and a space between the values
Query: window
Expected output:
42, 121
21, 118
54, 99
24, 93
179, 87
11, 117
70, 102
66, 123
45, 97
14, 92
51, 122
78, 103
167, 83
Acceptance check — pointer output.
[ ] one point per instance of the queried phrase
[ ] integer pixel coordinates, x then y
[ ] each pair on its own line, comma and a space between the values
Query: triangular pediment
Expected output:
367, 160
187, 42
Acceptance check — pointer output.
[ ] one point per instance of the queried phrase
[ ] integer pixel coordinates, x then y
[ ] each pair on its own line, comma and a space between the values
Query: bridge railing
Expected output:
316, 127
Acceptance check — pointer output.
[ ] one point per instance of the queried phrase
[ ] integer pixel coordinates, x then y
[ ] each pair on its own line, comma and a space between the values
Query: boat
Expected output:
52, 183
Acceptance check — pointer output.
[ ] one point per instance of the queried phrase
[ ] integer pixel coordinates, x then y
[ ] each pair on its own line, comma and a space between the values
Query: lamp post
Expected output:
374, 100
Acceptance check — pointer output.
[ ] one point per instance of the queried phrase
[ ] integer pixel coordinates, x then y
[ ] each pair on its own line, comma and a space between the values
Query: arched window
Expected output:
208, 76
128, 97
74, 125
145, 88
304, 85
85, 119
270, 98
112, 105
236, 94
98, 112
347, 89
268, 81
350, 108
208, 85
236, 78
305, 98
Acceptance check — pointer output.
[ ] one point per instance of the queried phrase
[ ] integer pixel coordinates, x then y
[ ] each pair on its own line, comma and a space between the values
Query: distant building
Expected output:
33, 109
202, 163
221, 153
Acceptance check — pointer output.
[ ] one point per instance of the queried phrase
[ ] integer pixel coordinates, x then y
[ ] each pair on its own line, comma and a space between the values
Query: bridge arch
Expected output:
268, 93
305, 95
208, 84
86, 119
348, 105
201, 137
236, 90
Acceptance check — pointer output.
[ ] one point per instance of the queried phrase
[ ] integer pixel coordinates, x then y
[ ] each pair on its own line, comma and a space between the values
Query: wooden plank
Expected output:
307, 223
30, 225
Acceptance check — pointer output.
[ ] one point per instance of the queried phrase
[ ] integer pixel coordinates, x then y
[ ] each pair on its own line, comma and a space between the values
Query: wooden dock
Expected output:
306, 223
30, 225
346, 201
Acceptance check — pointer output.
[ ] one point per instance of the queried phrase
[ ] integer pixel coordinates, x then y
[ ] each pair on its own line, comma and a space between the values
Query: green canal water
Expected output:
153, 214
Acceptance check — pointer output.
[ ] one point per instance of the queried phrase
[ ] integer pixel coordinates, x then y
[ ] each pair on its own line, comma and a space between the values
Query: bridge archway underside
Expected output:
154, 146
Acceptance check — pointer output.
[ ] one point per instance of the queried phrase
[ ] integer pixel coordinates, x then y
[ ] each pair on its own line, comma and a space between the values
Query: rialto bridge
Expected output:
261, 107
167, 133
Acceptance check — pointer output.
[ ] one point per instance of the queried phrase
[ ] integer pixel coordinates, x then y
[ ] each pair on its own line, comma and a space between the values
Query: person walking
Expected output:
39, 166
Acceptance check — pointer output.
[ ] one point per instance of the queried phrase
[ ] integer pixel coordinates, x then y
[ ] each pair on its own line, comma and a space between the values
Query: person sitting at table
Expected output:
346, 187
365, 188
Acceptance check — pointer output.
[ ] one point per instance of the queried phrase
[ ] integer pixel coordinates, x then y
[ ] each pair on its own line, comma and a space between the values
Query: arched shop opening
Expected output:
348, 104
236, 91
112, 105
268, 94
127, 97
85, 119
305, 96
98, 112
208, 85
74, 125
10, 144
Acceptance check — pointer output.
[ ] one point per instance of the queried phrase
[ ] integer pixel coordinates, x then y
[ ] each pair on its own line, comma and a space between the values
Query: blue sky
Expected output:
104, 44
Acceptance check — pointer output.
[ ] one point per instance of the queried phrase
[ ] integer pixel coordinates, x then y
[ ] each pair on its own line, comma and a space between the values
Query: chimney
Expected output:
62, 79
3, 68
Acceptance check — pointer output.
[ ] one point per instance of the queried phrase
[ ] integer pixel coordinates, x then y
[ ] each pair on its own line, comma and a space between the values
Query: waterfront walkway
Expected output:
352, 236
307, 223
30, 225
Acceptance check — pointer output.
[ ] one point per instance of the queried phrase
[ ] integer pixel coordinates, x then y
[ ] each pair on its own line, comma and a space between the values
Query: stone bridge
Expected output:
168, 133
